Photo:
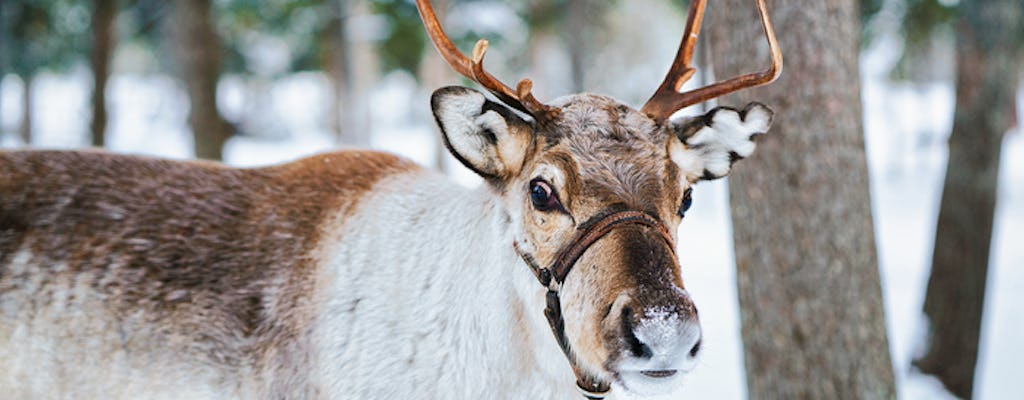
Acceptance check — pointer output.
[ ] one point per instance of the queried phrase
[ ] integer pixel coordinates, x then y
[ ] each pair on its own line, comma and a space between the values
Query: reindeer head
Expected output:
599, 188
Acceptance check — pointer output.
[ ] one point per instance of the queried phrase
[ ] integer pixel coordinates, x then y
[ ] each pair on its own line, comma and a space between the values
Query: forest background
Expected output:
262, 82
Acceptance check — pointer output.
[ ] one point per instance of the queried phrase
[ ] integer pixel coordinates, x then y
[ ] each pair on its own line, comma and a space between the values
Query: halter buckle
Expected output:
594, 394
544, 275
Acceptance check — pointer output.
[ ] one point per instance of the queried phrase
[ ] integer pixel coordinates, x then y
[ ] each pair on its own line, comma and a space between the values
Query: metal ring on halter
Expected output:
593, 395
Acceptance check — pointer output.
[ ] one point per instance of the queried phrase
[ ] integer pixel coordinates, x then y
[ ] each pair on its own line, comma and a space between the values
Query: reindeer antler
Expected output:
521, 98
667, 99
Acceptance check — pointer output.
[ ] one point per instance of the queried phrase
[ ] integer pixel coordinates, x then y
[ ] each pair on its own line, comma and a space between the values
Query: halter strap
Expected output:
554, 276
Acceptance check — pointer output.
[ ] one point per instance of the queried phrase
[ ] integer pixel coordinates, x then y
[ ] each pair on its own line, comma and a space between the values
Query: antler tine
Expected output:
525, 91
488, 81
667, 99
473, 69
523, 96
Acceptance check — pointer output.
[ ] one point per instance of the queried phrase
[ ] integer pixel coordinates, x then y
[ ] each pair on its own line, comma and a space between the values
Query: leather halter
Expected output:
554, 276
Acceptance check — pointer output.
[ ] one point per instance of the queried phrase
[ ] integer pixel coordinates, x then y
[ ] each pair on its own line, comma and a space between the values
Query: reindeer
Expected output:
359, 274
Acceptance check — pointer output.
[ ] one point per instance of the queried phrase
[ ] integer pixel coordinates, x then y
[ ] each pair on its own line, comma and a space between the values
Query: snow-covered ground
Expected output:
906, 129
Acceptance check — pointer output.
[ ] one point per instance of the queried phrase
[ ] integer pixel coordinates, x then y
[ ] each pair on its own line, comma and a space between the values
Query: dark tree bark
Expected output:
198, 50
25, 131
103, 41
987, 55
812, 316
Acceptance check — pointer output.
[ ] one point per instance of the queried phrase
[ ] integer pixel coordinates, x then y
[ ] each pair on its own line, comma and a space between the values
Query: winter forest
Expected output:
865, 251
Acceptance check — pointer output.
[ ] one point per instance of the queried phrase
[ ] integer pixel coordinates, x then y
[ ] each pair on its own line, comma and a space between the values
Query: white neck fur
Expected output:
441, 308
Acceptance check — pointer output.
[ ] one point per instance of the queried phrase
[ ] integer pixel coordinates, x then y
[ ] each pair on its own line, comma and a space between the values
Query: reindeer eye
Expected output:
687, 202
543, 196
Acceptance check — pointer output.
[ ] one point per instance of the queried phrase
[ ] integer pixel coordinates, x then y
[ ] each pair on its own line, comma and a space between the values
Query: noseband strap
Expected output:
554, 276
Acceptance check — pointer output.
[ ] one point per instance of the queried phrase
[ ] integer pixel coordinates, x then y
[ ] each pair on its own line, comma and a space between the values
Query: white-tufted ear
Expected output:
485, 136
706, 146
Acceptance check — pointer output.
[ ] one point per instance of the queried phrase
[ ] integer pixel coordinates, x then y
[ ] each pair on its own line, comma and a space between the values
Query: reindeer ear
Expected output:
485, 136
706, 146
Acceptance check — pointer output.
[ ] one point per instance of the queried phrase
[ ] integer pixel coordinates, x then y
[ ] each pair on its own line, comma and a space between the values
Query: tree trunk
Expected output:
355, 74
578, 18
103, 16
330, 45
987, 76
25, 131
340, 70
812, 316
199, 57
583, 18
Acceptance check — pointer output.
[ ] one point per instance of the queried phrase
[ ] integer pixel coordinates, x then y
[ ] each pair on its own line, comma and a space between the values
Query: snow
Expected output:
906, 127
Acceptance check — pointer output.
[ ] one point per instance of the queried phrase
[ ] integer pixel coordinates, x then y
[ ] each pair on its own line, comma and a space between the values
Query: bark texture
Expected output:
198, 50
987, 55
103, 15
812, 314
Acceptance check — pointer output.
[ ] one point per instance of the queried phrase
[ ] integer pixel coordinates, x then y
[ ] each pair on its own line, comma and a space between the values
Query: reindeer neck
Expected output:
447, 274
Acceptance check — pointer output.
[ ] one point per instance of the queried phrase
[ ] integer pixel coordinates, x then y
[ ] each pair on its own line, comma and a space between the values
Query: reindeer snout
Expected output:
659, 339
660, 334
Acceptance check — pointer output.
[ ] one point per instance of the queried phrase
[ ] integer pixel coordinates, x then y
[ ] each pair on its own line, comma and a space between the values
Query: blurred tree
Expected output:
356, 70
868, 10
403, 44
317, 35
578, 18
583, 18
301, 25
989, 50
926, 27
198, 50
334, 59
576, 23
40, 35
812, 317
140, 30
104, 14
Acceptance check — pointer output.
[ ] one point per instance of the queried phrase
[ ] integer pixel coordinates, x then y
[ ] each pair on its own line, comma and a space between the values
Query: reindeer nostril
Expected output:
696, 348
638, 348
